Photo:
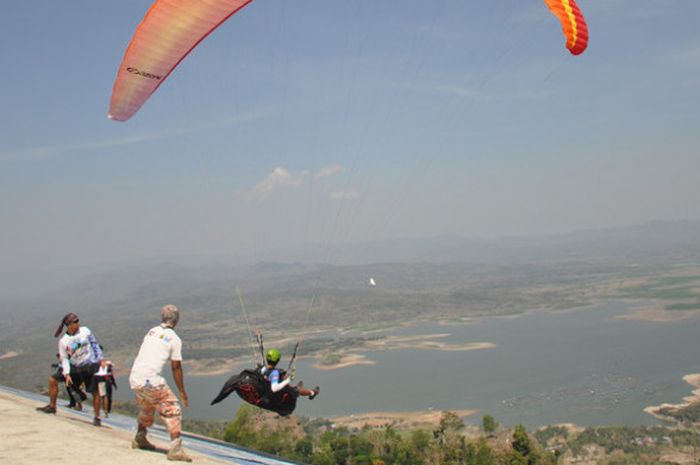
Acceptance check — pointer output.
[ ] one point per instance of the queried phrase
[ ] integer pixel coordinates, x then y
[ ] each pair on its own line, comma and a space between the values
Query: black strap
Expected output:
294, 355
260, 345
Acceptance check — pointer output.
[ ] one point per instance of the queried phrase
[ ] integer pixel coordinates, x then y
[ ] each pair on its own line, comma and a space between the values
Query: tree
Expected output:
450, 426
523, 451
303, 449
521, 441
484, 454
420, 439
516, 458
239, 431
360, 450
341, 450
450, 421
488, 423
322, 458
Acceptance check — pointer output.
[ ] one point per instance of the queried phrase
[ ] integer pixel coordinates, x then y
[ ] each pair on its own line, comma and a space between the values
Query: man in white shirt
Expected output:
160, 345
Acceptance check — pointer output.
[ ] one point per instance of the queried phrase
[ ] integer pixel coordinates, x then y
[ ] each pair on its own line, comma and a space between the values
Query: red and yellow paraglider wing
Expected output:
573, 23
170, 30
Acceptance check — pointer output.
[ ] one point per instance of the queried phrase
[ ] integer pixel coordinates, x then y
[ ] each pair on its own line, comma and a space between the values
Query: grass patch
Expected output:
666, 288
683, 306
676, 280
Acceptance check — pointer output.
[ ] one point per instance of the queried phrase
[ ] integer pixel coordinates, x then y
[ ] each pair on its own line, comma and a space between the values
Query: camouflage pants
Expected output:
162, 399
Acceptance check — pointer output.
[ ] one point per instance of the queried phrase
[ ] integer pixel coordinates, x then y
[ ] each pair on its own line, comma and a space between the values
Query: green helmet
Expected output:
273, 356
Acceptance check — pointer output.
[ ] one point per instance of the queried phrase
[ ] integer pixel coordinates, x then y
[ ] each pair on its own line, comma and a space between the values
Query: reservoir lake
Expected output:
582, 366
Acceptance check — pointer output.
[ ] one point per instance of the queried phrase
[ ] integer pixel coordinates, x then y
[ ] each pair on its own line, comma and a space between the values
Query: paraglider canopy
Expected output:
173, 28
572, 22
168, 33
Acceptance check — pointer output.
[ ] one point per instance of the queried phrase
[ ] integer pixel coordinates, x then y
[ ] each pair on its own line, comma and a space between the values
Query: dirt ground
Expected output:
33, 438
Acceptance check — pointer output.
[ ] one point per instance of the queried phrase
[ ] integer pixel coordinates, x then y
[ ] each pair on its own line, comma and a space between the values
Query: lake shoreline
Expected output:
693, 380
637, 311
400, 420
9, 355
345, 362
200, 368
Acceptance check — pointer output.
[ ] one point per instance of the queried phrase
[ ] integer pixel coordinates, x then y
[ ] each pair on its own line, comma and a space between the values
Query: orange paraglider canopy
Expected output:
573, 24
170, 30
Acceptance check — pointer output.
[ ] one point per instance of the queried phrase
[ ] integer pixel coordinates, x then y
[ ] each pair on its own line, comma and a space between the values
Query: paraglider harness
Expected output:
252, 385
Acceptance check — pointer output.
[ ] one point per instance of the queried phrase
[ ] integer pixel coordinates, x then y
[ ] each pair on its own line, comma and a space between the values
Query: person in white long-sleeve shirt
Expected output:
80, 357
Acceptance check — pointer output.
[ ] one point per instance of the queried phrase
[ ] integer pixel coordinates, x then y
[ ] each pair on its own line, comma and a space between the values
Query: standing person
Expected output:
160, 345
80, 357
105, 381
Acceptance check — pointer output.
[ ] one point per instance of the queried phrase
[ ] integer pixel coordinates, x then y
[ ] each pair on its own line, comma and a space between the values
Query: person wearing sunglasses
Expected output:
80, 357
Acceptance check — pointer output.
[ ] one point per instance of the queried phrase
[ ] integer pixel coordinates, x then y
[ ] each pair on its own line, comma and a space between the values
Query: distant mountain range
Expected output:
643, 242
658, 241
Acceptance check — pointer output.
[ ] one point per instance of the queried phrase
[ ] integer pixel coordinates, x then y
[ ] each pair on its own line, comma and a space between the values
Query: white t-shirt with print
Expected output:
160, 345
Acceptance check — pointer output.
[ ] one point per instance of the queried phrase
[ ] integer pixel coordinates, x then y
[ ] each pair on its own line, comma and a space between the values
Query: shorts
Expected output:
86, 374
58, 376
101, 384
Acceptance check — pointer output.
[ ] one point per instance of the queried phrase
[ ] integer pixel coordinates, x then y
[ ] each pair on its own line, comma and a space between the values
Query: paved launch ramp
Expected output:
212, 448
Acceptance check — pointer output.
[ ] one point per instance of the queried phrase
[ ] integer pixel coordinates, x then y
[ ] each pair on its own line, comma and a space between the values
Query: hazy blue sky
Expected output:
320, 120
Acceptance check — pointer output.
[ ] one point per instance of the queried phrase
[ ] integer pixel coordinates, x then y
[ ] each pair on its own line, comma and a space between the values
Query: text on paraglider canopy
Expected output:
143, 73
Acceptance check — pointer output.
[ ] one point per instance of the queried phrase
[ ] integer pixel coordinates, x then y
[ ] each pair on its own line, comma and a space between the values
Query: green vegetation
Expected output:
489, 424
634, 440
683, 306
317, 442
324, 445
546, 434
685, 415
665, 288
331, 358
678, 280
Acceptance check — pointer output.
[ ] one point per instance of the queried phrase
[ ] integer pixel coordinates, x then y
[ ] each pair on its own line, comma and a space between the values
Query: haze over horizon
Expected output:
327, 124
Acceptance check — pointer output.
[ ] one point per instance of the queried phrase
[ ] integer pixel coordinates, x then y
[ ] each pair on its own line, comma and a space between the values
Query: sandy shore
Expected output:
33, 438
347, 361
426, 418
422, 341
7, 355
229, 366
694, 381
425, 341
656, 313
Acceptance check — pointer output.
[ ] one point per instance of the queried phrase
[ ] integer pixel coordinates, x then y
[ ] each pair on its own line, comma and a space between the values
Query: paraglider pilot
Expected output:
273, 376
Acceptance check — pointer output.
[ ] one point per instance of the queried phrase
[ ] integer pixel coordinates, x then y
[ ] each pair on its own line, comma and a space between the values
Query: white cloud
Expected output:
279, 179
326, 171
345, 194
282, 179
